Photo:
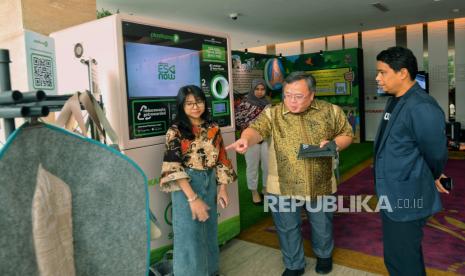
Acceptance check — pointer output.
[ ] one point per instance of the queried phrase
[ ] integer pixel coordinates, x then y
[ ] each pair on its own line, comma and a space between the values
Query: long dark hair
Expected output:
181, 120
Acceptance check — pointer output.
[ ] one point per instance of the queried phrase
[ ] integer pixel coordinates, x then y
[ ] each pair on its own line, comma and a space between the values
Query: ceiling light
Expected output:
455, 10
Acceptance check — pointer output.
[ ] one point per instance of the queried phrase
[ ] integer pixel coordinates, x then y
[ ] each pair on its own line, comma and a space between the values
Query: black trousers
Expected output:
403, 254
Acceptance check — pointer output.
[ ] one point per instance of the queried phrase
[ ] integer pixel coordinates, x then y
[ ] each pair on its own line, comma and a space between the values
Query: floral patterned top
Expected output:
245, 113
205, 152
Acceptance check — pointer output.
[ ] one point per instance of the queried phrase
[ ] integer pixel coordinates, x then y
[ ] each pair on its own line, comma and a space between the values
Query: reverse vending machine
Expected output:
137, 66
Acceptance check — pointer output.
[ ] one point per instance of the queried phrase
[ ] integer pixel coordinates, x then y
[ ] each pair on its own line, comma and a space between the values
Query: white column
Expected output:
437, 63
334, 42
460, 71
288, 49
351, 40
415, 42
314, 45
258, 50
374, 42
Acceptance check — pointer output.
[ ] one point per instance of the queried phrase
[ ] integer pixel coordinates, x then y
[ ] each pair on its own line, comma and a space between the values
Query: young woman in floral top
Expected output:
196, 171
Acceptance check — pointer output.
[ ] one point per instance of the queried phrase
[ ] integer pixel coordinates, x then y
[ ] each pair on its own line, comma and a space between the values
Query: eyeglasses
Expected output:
296, 97
197, 104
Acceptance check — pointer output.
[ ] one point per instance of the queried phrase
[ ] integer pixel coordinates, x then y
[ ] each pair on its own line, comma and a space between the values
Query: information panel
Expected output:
158, 61
332, 82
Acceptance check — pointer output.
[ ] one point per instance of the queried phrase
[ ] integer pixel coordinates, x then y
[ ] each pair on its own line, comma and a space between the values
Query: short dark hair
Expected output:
399, 57
299, 75
182, 121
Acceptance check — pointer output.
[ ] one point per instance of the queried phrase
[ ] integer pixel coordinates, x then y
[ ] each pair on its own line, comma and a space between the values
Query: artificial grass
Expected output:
354, 155
251, 214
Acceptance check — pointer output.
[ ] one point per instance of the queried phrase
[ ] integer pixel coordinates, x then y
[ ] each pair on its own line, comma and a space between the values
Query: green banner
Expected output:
213, 53
338, 77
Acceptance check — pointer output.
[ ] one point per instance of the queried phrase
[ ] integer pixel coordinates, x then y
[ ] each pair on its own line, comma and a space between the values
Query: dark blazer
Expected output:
411, 154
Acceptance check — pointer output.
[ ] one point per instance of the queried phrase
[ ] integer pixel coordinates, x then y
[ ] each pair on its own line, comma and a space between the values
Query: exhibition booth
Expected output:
132, 68
140, 64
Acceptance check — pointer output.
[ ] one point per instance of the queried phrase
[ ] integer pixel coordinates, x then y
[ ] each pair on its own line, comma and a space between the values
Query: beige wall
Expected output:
46, 16
351, 40
10, 18
289, 48
334, 42
258, 50
43, 16
314, 45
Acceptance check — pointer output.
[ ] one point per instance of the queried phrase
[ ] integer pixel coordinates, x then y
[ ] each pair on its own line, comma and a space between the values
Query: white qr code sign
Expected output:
42, 72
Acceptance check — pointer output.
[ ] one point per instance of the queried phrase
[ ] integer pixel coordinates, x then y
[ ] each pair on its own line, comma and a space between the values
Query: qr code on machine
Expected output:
42, 72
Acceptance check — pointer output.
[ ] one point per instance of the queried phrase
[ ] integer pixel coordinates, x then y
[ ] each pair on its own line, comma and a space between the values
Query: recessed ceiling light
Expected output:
455, 10
436, 0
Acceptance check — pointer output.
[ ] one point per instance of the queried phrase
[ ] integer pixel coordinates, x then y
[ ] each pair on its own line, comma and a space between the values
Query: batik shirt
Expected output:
205, 152
288, 175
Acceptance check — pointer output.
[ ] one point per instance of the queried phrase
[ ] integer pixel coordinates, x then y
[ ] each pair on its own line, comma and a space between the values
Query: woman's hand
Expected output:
199, 210
223, 198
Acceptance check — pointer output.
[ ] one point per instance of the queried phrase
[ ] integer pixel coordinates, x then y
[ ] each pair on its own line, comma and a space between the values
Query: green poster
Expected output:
213, 53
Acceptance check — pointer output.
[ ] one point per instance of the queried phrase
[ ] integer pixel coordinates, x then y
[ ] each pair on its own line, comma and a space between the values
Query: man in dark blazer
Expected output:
410, 155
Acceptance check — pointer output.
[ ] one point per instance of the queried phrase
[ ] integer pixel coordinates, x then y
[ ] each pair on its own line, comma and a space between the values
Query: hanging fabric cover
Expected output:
109, 198
52, 226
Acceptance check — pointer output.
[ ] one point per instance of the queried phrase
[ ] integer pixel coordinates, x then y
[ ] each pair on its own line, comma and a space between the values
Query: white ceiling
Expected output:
262, 22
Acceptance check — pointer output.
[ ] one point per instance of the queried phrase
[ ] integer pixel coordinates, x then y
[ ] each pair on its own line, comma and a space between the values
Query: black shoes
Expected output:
293, 272
324, 265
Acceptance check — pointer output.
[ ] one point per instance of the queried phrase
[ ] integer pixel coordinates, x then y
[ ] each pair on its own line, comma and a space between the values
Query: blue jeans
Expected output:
196, 251
288, 226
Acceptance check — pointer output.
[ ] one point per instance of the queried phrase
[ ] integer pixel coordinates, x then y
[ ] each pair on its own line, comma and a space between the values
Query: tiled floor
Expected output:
243, 258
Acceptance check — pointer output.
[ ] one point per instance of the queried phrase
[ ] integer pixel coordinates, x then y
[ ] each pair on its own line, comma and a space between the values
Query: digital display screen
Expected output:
421, 80
220, 108
159, 71
158, 62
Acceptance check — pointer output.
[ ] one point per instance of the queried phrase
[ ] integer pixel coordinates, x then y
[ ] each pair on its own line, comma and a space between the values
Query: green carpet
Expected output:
251, 214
